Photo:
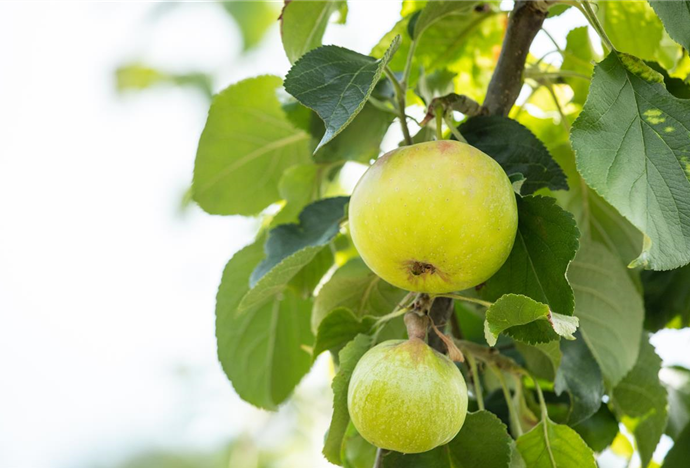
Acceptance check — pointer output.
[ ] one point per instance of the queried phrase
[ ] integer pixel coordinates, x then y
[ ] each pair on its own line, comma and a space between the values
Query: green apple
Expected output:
407, 397
434, 217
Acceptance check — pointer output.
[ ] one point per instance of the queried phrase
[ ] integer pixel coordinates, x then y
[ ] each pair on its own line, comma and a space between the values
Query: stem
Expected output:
564, 119
515, 427
400, 98
542, 402
475, 379
524, 23
399, 310
544, 421
439, 313
378, 462
558, 48
466, 299
408, 64
559, 74
439, 122
586, 9
456, 133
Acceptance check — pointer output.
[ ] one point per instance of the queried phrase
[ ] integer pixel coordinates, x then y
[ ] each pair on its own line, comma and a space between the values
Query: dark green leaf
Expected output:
349, 357
677, 382
580, 376
551, 445
482, 442
546, 242
599, 430
436, 458
675, 15
667, 298
338, 328
437, 10
246, 146
319, 223
355, 287
253, 18
632, 144
640, 400
262, 350
679, 454
336, 83
526, 320
542, 360
679, 88
609, 308
302, 25
578, 58
516, 149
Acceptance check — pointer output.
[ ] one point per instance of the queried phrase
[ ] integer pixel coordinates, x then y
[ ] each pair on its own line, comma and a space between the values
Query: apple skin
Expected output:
434, 217
405, 396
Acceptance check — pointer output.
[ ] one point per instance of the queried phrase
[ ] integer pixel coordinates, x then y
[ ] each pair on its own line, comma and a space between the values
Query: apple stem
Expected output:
416, 325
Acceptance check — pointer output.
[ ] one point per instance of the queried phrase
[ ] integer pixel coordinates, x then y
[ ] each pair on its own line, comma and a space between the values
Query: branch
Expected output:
523, 25
440, 312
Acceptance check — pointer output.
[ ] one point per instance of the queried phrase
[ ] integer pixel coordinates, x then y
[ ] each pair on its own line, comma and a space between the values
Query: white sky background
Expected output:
107, 291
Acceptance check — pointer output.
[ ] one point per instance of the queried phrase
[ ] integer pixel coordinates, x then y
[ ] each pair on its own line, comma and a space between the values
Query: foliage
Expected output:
600, 157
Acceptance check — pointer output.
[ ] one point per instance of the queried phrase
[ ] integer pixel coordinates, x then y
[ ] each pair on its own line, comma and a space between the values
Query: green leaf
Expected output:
253, 18
355, 287
666, 298
516, 149
609, 308
436, 458
261, 350
340, 327
677, 382
355, 451
302, 25
578, 58
675, 15
640, 400
633, 28
361, 140
482, 442
542, 359
246, 146
551, 445
319, 223
336, 83
298, 187
580, 376
679, 454
526, 320
599, 430
349, 357
632, 143
546, 242
437, 10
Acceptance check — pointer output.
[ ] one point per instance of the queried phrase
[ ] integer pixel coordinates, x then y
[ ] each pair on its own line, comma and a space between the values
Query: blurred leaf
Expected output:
318, 225
338, 328
526, 320
551, 445
578, 58
667, 298
546, 242
437, 10
677, 382
542, 359
254, 18
599, 430
356, 452
355, 287
246, 146
261, 350
609, 308
634, 28
303, 24
676, 17
557, 10
436, 84
516, 149
349, 357
580, 376
631, 148
679, 454
336, 83
298, 186
482, 442
138, 77
640, 400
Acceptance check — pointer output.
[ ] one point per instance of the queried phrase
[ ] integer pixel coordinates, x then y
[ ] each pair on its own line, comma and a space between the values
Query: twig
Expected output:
475, 379
380, 453
400, 98
524, 23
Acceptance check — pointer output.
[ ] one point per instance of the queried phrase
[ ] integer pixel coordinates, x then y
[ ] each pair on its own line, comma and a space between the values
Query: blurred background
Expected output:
107, 274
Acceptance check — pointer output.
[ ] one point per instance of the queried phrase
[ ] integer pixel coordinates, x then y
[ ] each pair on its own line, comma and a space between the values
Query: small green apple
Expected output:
407, 397
434, 217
